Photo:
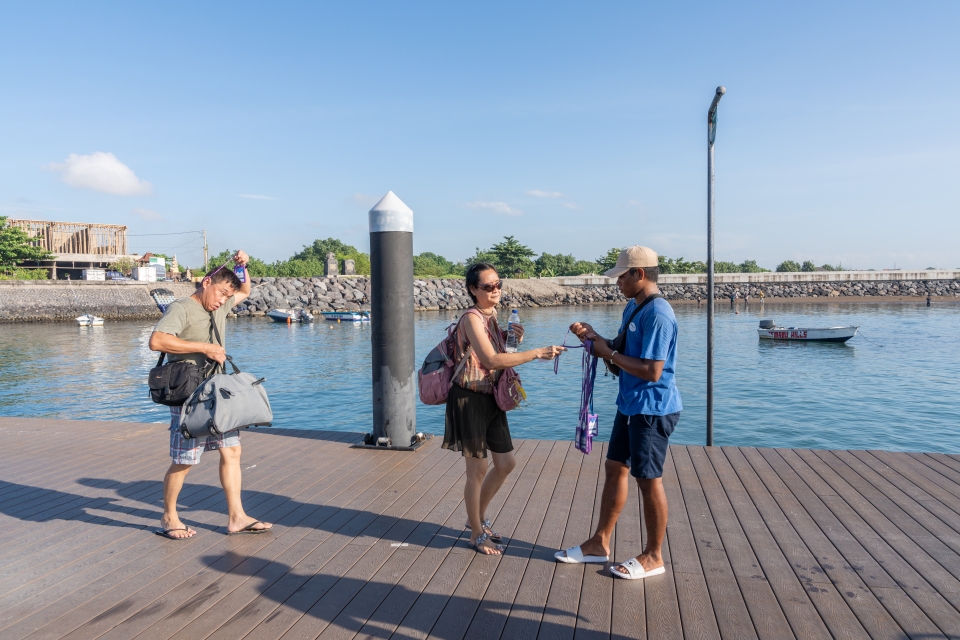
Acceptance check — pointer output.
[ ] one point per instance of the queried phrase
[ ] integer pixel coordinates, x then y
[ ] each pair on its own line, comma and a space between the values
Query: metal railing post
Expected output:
711, 135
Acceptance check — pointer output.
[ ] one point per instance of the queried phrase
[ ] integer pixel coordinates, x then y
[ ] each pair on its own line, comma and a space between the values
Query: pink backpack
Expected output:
437, 374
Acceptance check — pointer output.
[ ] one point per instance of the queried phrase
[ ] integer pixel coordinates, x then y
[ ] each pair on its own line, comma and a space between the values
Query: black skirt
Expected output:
475, 423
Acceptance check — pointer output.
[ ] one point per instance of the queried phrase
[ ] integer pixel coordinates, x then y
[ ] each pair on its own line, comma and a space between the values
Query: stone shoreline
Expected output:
56, 301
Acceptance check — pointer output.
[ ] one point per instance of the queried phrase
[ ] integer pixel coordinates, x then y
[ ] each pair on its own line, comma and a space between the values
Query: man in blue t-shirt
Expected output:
648, 408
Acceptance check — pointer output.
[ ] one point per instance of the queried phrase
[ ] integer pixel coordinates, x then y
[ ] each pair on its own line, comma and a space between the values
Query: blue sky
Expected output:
573, 126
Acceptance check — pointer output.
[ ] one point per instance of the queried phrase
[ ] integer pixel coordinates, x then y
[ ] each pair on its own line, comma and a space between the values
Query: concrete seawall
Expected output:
59, 301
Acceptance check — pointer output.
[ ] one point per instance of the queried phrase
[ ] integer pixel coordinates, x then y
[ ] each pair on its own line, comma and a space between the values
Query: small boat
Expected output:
163, 298
770, 331
347, 316
90, 320
290, 315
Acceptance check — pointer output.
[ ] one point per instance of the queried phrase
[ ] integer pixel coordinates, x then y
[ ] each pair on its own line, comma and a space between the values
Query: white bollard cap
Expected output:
390, 214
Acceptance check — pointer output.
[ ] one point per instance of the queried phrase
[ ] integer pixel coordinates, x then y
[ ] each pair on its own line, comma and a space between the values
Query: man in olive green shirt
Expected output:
186, 332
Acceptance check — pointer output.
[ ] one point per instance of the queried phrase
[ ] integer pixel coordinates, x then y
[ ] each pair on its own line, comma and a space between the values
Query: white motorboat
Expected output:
347, 316
290, 315
770, 331
90, 320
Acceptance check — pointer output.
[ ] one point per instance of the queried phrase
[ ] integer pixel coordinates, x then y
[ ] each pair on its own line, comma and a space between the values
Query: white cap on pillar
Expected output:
390, 214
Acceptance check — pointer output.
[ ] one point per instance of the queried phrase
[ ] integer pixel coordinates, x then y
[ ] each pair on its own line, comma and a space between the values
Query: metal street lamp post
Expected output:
711, 135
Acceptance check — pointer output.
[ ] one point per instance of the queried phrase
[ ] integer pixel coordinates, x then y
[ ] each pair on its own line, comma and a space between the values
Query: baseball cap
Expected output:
631, 258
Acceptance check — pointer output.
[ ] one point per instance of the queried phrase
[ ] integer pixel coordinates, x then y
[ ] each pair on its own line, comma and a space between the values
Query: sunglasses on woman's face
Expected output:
490, 287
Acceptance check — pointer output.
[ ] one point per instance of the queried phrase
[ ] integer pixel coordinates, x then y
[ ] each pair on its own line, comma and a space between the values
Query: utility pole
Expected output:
711, 135
206, 259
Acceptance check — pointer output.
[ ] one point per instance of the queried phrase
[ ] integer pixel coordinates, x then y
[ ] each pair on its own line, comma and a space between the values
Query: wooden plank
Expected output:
943, 521
935, 536
421, 541
629, 619
811, 609
297, 515
817, 563
726, 594
678, 604
560, 616
494, 610
228, 567
255, 601
79, 569
459, 611
921, 576
929, 602
72, 550
595, 610
393, 526
526, 613
920, 475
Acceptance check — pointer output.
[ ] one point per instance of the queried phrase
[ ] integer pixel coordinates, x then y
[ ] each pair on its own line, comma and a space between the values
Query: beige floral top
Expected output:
474, 376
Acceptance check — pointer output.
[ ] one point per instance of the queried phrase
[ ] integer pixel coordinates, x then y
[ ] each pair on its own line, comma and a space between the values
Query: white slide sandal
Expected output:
635, 570
574, 555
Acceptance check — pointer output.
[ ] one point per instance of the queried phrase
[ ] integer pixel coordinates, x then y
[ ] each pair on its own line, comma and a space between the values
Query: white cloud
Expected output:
537, 193
496, 207
570, 205
101, 172
251, 196
147, 215
634, 203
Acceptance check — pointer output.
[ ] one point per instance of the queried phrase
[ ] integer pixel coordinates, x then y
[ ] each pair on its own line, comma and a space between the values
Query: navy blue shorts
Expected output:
640, 442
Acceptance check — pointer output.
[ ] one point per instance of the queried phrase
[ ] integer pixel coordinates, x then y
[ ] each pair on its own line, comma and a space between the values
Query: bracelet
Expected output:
615, 352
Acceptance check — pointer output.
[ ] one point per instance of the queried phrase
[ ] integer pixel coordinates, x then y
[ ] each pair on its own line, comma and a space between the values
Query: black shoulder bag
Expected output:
172, 383
618, 343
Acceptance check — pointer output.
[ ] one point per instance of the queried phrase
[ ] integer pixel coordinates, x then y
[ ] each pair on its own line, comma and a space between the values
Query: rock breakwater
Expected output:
58, 301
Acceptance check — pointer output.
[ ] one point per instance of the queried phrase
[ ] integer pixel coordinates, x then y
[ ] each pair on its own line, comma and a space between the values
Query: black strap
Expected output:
613, 343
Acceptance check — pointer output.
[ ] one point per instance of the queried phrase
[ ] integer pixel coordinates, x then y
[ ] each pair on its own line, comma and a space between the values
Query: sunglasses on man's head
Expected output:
490, 287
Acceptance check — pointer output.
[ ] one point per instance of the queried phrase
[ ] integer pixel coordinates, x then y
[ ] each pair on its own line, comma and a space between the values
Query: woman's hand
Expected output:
517, 331
549, 353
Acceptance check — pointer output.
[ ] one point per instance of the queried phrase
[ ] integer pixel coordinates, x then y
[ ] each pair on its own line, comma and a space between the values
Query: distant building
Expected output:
76, 245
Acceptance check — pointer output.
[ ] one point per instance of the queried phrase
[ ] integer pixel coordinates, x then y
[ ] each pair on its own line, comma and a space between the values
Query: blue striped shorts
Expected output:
188, 450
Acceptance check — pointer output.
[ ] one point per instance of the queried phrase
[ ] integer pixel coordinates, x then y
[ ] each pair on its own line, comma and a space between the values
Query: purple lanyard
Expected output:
587, 426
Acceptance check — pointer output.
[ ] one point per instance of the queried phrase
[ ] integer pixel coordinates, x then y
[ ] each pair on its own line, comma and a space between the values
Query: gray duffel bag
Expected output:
226, 402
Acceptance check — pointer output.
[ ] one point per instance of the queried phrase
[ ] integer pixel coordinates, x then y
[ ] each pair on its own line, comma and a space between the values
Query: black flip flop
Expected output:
249, 529
166, 533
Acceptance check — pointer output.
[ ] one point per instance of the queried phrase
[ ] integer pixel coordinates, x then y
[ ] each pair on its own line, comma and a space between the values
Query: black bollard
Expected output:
391, 323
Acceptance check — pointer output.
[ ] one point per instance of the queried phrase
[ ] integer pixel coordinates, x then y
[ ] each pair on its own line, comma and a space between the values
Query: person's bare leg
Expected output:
615, 490
503, 465
476, 472
172, 484
655, 518
230, 479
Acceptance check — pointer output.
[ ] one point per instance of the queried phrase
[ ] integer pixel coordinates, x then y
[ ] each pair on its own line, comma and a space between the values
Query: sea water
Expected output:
898, 391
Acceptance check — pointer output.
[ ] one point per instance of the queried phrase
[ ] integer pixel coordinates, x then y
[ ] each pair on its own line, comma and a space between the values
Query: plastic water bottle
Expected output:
512, 341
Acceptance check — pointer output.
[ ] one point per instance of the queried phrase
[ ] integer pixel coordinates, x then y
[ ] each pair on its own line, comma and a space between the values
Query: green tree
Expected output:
609, 261
512, 258
479, 255
724, 266
751, 266
679, 265
549, 265
320, 248
808, 266
431, 265
581, 267
16, 247
788, 266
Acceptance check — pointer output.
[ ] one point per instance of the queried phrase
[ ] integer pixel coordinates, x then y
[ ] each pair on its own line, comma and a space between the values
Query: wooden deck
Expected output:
762, 543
